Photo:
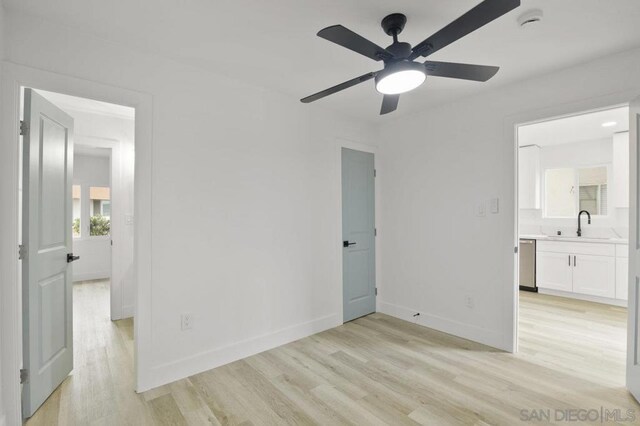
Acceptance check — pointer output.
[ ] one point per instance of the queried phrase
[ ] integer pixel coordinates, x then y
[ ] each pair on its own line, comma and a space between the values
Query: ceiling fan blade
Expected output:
339, 87
477, 17
347, 38
462, 71
389, 104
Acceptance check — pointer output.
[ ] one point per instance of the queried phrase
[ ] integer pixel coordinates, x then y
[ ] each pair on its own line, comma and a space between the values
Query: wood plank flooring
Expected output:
372, 371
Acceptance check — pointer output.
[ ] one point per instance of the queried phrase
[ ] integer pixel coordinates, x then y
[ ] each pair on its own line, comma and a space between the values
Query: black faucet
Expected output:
589, 221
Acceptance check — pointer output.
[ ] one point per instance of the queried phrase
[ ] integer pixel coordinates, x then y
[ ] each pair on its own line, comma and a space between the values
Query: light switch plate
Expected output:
481, 209
186, 320
469, 302
494, 205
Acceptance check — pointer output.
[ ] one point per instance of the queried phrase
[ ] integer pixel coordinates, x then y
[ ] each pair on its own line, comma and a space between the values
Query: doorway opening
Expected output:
94, 200
573, 228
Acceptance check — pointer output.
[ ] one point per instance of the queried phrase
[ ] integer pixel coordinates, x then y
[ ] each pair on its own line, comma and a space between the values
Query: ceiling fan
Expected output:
401, 73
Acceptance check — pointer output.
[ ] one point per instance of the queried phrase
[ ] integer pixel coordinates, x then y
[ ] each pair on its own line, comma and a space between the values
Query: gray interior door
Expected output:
358, 234
47, 288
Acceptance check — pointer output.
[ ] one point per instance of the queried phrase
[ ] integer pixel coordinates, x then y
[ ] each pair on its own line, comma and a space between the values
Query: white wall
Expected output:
94, 252
245, 201
437, 165
2, 280
91, 169
577, 155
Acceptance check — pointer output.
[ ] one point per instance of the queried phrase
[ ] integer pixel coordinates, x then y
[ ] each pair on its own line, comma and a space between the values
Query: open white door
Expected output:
46, 233
633, 332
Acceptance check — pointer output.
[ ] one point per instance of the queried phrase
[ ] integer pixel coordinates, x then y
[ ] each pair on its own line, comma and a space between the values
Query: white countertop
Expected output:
573, 239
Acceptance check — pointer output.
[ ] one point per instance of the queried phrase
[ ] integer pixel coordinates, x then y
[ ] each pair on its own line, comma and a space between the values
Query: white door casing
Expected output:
622, 278
46, 281
633, 329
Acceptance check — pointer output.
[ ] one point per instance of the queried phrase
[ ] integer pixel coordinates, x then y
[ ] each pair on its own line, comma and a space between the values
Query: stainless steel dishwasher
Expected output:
527, 253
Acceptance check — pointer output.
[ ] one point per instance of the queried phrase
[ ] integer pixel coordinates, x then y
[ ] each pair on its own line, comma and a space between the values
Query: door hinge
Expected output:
375, 173
22, 251
24, 375
375, 232
24, 128
515, 249
376, 291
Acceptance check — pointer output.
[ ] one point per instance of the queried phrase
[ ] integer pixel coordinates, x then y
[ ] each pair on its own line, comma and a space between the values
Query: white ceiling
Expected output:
273, 43
577, 128
73, 103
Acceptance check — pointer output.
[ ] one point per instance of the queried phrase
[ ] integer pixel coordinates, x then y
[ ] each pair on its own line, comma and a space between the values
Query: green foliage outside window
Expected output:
99, 226
76, 227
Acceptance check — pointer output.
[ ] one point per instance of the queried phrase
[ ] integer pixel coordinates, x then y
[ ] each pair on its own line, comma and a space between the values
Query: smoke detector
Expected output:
530, 17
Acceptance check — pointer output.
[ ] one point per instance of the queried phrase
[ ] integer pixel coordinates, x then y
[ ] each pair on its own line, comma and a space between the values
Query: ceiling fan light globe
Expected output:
400, 78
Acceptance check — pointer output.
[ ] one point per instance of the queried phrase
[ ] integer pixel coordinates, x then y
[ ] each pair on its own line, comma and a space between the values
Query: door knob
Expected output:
347, 244
72, 258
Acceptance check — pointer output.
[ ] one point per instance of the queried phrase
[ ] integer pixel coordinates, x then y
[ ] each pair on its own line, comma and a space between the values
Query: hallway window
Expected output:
99, 211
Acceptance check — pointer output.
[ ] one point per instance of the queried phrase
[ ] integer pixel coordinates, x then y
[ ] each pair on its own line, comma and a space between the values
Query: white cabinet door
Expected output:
594, 275
621, 169
622, 278
554, 271
529, 177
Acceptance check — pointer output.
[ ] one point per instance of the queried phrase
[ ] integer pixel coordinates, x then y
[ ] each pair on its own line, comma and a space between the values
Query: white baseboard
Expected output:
207, 360
466, 331
92, 276
128, 311
588, 298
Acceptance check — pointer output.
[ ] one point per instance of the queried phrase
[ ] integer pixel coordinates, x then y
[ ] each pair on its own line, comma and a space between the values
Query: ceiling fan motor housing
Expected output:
400, 50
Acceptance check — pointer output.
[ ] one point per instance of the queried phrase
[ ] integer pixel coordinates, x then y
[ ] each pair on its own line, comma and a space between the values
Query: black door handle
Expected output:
347, 244
72, 258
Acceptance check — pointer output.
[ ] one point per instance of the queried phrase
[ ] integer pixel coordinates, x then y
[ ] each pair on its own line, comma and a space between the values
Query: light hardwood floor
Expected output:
374, 370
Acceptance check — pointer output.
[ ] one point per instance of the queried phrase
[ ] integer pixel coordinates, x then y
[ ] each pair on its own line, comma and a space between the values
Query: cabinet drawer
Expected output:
594, 249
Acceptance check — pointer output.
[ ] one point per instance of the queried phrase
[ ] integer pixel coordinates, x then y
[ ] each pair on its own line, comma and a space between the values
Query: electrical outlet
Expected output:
468, 301
186, 321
